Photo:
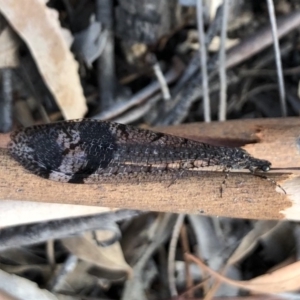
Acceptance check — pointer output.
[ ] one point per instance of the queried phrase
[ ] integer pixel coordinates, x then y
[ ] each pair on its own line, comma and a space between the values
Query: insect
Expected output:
91, 151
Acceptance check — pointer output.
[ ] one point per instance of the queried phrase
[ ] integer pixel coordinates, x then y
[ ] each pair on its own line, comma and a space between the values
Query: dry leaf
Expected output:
38, 26
9, 46
110, 258
22, 288
89, 43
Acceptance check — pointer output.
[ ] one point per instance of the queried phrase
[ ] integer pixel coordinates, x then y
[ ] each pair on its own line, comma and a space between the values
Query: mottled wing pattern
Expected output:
89, 151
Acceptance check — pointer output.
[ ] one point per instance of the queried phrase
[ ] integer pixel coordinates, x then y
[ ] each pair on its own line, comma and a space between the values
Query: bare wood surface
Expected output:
244, 195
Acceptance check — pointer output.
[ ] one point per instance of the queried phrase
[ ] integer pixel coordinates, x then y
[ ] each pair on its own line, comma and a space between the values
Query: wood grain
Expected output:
244, 195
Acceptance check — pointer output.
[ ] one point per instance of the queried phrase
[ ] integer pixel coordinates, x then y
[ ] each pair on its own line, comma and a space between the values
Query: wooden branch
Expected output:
244, 195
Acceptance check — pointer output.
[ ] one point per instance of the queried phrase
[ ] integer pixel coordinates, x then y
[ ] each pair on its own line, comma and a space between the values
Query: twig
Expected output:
194, 63
162, 233
106, 62
189, 95
160, 77
255, 91
191, 70
269, 72
261, 39
245, 195
277, 56
172, 252
235, 55
138, 98
36, 233
138, 112
35, 94
222, 63
6, 100
50, 253
215, 26
206, 100
186, 249
58, 278
262, 61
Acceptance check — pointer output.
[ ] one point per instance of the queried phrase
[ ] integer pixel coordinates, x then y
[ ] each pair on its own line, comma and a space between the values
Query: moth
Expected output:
92, 151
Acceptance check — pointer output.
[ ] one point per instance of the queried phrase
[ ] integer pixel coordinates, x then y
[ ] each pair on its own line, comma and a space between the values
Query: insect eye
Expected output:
265, 168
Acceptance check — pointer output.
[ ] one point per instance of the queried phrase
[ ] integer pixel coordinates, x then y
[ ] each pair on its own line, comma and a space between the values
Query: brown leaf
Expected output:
9, 46
110, 258
38, 26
